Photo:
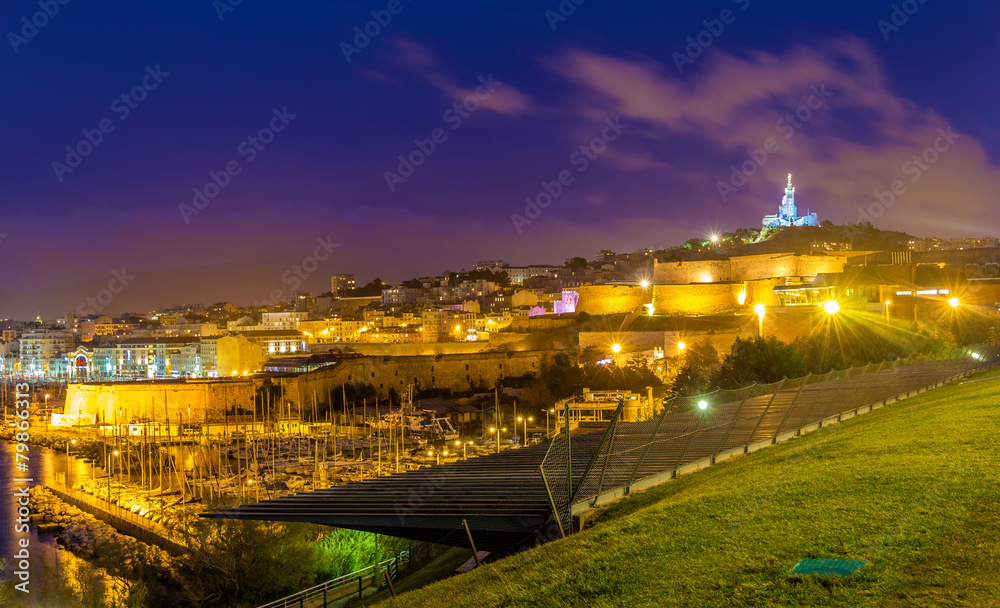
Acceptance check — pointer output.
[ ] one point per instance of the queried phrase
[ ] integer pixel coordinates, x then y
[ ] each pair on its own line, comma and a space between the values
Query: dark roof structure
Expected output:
501, 496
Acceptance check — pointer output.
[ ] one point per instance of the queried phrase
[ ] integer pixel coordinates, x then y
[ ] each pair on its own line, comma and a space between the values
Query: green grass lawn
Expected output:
913, 488
440, 567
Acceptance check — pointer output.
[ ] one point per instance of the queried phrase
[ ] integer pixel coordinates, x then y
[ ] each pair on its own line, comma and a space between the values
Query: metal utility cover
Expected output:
828, 567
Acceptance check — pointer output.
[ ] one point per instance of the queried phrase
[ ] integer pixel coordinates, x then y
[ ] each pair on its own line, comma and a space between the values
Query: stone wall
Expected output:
612, 299
713, 298
747, 268
686, 300
409, 350
701, 271
638, 341
787, 324
455, 372
158, 400
542, 323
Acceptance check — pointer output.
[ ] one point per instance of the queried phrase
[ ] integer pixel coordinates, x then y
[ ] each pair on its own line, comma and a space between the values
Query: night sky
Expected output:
211, 75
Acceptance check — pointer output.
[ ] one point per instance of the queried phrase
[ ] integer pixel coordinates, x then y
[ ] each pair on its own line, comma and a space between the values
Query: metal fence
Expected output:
343, 586
119, 517
691, 433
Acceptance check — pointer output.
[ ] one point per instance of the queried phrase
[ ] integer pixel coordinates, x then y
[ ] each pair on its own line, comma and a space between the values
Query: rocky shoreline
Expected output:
85, 535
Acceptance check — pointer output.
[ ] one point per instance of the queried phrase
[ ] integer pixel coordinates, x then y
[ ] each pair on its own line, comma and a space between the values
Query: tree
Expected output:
413, 284
373, 288
634, 376
340, 551
993, 334
969, 328
235, 562
695, 244
556, 380
840, 346
592, 354
761, 360
698, 364
576, 263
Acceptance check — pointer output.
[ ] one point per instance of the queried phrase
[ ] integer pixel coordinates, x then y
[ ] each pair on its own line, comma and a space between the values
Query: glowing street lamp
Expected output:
524, 439
831, 307
644, 284
497, 431
954, 303
616, 348
681, 346
888, 303
703, 405
761, 310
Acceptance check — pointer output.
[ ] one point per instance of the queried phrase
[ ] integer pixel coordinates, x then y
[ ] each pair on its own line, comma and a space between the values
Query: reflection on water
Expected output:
43, 464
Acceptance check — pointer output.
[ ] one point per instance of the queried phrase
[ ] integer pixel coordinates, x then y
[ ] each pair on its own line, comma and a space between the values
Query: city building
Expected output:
831, 246
276, 341
519, 274
491, 265
934, 244
157, 357
43, 350
403, 295
567, 303
342, 284
282, 321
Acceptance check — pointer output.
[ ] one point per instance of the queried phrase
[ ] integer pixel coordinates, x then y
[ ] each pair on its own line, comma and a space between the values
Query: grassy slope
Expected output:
913, 488
438, 568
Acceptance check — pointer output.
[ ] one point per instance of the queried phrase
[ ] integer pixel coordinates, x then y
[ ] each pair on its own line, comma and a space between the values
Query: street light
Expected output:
831, 307
616, 348
888, 303
703, 405
760, 309
680, 347
954, 303
67, 460
497, 431
525, 439
644, 284
547, 412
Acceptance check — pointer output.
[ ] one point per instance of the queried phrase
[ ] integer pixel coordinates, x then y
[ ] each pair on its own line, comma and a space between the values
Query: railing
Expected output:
695, 432
343, 586
101, 506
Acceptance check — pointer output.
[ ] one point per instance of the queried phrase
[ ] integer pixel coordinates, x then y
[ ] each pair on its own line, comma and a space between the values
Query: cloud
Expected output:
421, 60
845, 153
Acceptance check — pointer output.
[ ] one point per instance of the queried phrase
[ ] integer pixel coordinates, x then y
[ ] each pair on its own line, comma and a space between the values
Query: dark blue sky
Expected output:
656, 184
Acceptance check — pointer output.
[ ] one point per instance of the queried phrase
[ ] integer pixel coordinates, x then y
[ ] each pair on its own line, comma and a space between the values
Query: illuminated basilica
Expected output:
788, 213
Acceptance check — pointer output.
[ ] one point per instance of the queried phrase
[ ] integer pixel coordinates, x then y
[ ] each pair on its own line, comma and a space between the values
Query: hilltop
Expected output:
800, 239
793, 239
